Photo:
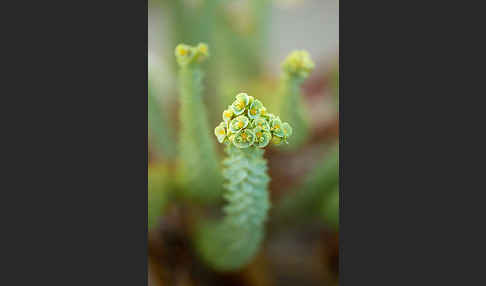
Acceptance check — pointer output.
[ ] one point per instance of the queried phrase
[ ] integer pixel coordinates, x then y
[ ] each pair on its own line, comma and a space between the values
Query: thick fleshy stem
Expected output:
293, 109
198, 166
233, 242
246, 129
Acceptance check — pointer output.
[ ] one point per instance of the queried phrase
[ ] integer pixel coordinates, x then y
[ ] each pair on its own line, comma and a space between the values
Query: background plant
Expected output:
311, 197
295, 69
161, 133
198, 170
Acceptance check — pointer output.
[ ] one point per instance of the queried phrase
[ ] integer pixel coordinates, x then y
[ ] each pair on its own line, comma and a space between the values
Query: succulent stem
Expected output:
198, 165
247, 128
233, 242
296, 69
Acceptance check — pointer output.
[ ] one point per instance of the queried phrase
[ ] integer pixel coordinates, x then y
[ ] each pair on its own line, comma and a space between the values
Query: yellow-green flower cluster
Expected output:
187, 55
298, 63
246, 123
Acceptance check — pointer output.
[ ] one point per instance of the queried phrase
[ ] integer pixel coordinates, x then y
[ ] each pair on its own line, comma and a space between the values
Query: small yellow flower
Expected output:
255, 109
187, 55
244, 138
287, 129
261, 123
277, 127
228, 114
203, 48
262, 137
220, 132
239, 123
239, 105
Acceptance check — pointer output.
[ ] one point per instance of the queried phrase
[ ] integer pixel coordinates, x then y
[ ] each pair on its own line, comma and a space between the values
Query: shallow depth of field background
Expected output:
248, 40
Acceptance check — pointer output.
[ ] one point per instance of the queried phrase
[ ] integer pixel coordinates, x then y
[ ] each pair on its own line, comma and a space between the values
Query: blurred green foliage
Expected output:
306, 200
237, 31
161, 134
159, 186
330, 208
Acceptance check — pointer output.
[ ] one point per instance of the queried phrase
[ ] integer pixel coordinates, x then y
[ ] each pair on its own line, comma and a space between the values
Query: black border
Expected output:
81, 217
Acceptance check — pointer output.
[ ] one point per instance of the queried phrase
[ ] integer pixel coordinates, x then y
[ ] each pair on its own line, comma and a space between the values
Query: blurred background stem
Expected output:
161, 134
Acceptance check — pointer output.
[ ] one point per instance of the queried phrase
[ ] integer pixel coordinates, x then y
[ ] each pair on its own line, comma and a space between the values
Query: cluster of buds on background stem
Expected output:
187, 55
246, 123
298, 64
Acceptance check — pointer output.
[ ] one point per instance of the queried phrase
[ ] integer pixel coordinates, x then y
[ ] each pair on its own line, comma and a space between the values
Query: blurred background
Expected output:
248, 40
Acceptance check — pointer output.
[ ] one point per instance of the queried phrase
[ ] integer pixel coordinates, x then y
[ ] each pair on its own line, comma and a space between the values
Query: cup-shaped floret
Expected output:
264, 112
298, 63
261, 123
276, 127
287, 129
220, 132
244, 138
255, 109
228, 114
241, 102
239, 123
202, 51
183, 53
262, 137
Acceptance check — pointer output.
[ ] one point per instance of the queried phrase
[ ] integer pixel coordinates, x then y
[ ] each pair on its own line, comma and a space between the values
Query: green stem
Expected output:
199, 171
293, 109
161, 134
231, 244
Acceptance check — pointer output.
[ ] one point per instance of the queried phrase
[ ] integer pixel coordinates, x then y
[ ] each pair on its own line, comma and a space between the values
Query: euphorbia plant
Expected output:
247, 128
